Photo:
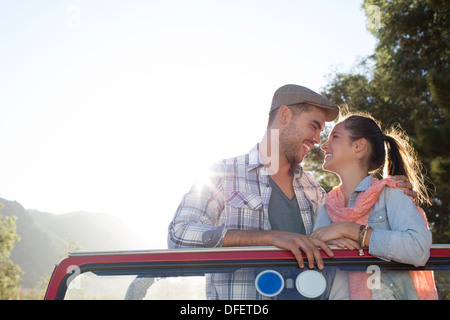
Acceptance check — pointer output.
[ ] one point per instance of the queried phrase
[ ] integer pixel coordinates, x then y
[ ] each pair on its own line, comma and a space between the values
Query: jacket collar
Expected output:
364, 184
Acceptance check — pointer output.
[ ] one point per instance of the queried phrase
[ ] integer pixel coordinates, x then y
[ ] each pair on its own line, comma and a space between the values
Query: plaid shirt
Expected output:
236, 197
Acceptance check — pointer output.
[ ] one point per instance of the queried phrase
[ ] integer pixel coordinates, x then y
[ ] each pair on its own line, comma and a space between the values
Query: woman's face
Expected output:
338, 150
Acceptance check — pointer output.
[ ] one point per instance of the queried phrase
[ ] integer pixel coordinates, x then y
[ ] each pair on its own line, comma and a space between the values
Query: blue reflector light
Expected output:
269, 283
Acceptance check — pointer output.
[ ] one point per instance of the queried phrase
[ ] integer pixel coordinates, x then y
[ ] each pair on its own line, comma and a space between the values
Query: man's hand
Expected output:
297, 243
403, 182
282, 239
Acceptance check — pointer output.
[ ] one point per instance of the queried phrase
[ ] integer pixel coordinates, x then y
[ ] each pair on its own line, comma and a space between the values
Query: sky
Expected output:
120, 106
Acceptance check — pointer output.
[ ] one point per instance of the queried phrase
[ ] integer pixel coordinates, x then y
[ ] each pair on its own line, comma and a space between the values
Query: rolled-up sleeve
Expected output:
409, 239
195, 221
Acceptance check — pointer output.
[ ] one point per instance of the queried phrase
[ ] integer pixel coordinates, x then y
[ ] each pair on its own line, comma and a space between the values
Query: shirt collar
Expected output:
254, 159
255, 162
297, 170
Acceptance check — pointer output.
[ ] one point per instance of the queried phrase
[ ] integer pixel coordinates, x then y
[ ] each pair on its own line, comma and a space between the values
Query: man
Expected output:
263, 197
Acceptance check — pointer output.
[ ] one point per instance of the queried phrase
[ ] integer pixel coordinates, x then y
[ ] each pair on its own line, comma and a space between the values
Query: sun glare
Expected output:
203, 179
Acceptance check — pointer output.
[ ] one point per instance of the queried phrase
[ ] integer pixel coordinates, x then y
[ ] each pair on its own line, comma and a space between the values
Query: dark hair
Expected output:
392, 150
296, 110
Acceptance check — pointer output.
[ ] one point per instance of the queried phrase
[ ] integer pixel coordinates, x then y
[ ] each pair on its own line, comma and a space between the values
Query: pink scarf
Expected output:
359, 213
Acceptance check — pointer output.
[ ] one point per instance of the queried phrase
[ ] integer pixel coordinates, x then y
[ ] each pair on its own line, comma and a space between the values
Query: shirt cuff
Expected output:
214, 238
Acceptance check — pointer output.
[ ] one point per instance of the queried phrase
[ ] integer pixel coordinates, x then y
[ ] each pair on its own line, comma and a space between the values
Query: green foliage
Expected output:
407, 81
9, 272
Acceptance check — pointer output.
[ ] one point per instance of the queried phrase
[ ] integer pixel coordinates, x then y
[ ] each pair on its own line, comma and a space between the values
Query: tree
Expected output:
407, 81
9, 272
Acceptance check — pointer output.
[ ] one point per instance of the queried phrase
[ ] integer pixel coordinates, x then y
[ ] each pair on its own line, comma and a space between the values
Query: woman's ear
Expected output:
360, 145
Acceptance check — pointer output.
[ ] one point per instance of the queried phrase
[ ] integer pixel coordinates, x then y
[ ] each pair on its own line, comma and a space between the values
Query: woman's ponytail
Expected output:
402, 159
394, 165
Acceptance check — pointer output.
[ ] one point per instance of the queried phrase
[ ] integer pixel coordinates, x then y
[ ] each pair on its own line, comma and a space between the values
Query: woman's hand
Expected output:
332, 232
345, 243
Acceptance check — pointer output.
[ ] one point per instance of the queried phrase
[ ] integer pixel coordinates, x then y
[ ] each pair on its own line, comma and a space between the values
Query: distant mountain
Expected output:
38, 250
46, 238
89, 231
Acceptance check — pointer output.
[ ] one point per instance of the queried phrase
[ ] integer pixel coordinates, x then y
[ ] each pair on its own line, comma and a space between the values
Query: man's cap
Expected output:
293, 94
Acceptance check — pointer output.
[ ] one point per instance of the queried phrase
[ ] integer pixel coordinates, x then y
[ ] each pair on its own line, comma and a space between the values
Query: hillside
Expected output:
46, 238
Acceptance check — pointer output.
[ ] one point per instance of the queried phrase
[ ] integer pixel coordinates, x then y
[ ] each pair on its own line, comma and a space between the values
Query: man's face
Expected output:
301, 133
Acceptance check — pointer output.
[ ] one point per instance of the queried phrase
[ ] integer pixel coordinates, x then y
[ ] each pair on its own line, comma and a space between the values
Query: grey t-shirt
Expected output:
284, 213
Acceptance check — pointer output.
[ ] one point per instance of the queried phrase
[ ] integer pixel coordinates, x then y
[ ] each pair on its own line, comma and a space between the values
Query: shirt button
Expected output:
267, 185
380, 217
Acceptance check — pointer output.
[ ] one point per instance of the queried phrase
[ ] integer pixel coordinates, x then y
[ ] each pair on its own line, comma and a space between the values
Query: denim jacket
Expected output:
400, 233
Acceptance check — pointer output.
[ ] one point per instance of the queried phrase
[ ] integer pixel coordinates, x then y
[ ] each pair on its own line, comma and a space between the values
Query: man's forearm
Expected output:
243, 238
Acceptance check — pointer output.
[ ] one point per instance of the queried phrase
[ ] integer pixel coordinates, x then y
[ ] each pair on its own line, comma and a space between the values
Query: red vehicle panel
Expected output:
161, 261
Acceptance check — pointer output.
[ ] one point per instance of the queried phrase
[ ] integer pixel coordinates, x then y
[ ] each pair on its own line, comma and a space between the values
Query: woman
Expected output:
363, 212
